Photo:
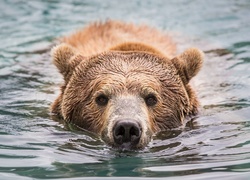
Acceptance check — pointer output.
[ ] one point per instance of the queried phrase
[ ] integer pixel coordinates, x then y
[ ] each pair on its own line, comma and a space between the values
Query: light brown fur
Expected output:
99, 37
131, 67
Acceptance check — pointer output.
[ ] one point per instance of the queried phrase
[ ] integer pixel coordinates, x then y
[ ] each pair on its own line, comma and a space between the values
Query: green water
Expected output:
215, 146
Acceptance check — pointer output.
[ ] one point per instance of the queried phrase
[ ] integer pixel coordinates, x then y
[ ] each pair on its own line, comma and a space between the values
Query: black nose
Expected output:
127, 131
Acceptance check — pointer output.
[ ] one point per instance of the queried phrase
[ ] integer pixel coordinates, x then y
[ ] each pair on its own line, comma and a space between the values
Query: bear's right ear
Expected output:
65, 59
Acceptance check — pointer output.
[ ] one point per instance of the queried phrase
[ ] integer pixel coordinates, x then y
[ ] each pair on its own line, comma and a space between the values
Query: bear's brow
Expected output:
113, 84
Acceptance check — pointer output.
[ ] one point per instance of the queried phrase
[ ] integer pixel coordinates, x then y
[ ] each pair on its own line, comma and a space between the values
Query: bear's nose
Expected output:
127, 132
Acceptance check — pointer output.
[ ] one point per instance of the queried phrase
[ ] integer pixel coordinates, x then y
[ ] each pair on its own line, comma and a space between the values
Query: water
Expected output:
215, 145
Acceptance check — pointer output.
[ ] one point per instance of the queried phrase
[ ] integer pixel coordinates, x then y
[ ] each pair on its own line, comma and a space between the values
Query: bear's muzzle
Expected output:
128, 123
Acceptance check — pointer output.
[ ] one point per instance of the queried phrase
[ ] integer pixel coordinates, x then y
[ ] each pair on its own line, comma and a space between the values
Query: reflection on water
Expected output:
214, 145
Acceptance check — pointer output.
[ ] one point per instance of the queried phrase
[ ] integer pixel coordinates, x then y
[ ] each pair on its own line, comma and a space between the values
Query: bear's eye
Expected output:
150, 100
102, 100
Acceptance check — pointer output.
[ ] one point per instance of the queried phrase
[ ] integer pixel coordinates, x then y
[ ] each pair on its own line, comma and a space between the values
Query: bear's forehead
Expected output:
125, 70
111, 85
126, 63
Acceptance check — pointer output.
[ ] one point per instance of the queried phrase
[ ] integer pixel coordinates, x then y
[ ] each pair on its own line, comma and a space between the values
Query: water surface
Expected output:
214, 145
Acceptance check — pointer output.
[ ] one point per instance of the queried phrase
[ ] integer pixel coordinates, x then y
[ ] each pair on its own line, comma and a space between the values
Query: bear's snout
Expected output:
127, 132
127, 123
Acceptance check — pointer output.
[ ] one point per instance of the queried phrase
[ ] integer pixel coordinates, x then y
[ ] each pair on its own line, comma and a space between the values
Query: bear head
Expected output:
126, 96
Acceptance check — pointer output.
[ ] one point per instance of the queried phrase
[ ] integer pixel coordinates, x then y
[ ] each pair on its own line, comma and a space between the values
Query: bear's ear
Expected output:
188, 64
65, 59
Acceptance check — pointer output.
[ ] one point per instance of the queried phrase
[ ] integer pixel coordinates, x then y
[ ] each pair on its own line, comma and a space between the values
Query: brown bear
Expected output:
123, 82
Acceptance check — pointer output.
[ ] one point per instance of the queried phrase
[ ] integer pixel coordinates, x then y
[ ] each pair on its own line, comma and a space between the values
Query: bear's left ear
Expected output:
65, 59
188, 64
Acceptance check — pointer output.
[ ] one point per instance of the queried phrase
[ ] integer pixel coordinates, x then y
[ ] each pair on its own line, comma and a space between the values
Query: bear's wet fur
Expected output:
124, 82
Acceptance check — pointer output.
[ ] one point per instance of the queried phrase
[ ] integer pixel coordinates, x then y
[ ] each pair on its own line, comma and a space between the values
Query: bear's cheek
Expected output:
170, 112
